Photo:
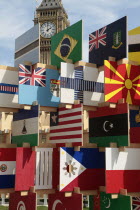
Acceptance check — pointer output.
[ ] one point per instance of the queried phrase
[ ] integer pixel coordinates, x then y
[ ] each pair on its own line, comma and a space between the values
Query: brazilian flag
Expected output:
67, 44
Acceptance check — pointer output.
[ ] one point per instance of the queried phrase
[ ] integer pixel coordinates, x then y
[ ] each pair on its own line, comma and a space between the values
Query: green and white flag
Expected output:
25, 127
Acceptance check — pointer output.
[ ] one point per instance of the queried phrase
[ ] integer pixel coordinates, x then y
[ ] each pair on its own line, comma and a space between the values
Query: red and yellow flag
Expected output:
122, 81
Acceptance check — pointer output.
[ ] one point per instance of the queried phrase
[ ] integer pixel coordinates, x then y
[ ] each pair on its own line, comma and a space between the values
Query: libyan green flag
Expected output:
67, 44
121, 203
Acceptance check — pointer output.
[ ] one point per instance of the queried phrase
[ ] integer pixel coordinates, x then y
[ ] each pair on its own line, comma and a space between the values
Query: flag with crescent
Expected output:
122, 81
26, 202
77, 169
121, 203
108, 125
122, 170
58, 201
104, 201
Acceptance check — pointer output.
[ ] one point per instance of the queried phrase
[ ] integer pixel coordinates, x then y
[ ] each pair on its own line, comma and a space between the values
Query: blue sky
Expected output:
16, 17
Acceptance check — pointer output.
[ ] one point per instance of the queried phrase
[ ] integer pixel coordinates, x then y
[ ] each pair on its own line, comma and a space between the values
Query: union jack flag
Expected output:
30, 76
136, 203
97, 39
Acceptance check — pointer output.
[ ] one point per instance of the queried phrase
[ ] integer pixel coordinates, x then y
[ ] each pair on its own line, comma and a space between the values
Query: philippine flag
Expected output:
84, 169
7, 167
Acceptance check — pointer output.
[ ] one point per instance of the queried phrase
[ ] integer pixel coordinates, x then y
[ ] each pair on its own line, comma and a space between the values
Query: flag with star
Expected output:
66, 126
67, 44
110, 40
107, 125
121, 203
104, 201
122, 81
77, 169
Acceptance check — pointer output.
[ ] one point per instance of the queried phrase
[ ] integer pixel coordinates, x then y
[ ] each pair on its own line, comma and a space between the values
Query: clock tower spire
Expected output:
52, 18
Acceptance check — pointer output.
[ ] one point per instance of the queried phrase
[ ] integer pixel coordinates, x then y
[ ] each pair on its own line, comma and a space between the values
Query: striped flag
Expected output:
82, 83
25, 127
8, 87
66, 126
7, 167
122, 170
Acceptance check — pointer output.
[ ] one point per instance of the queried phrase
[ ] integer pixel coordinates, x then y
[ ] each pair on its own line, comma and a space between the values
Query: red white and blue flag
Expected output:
136, 203
7, 167
32, 76
97, 39
84, 169
66, 126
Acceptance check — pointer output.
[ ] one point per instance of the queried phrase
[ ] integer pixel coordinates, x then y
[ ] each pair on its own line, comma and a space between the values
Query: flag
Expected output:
122, 81
7, 167
28, 75
25, 202
104, 201
66, 125
110, 40
44, 158
59, 201
108, 125
25, 169
8, 87
25, 127
134, 126
94, 202
67, 44
122, 170
121, 203
135, 203
134, 44
41, 89
82, 83
77, 169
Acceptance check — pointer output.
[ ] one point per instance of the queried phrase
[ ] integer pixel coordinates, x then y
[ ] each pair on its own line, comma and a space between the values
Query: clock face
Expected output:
48, 29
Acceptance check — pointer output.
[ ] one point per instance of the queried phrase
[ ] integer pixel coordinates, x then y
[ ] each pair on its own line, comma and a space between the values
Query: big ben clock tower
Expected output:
52, 18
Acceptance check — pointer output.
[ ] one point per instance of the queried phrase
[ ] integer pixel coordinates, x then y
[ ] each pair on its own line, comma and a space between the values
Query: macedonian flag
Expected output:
122, 81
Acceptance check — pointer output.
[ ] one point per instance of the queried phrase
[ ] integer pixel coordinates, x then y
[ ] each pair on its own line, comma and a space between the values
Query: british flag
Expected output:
97, 39
32, 76
136, 203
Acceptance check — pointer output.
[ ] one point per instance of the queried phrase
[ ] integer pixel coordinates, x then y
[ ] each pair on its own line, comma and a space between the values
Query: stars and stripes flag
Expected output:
136, 203
66, 126
32, 76
97, 39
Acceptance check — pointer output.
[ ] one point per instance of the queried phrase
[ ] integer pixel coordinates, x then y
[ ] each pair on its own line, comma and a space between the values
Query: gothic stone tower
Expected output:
52, 19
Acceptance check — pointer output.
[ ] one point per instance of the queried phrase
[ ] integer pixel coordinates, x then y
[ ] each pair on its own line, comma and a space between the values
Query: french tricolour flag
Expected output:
7, 167
122, 170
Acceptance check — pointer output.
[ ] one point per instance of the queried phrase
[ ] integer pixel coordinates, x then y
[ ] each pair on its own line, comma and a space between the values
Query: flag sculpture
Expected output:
73, 128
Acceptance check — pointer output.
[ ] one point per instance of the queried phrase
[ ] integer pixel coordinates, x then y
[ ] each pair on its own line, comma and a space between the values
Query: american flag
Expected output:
96, 40
66, 125
30, 76
136, 203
